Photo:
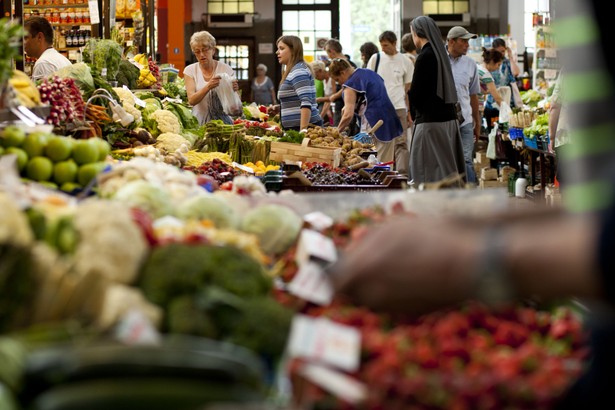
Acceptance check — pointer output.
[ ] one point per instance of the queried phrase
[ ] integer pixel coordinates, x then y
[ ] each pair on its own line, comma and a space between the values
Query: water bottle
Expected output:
520, 186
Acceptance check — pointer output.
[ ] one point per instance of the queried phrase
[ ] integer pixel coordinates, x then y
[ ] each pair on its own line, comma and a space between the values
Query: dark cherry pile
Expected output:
217, 169
324, 174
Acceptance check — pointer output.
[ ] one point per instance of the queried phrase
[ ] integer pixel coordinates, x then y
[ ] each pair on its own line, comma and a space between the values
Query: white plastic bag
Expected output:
491, 153
231, 103
505, 113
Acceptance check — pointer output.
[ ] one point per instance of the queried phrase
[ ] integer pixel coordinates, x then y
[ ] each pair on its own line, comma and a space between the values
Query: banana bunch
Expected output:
25, 90
146, 78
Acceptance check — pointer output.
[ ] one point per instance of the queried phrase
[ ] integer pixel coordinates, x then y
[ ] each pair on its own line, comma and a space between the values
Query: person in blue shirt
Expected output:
297, 92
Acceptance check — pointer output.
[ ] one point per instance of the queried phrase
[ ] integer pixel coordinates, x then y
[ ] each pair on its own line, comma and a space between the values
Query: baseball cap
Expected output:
460, 32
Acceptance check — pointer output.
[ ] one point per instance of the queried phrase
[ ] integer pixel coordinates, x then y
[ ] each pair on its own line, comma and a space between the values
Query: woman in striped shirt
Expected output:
297, 93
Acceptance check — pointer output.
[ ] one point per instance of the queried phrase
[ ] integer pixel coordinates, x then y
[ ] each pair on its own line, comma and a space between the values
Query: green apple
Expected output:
88, 172
1, 150
59, 148
34, 144
70, 187
49, 184
85, 151
12, 136
22, 157
104, 148
65, 171
39, 169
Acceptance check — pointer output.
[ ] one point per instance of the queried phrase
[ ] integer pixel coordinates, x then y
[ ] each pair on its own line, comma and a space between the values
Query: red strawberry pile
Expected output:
466, 358
471, 357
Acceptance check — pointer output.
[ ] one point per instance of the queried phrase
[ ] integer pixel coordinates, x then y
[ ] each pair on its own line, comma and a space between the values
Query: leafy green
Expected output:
103, 54
11, 33
127, 75
81, 73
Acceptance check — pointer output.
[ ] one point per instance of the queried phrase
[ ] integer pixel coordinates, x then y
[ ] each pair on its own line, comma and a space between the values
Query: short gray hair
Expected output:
261, 66
202, 38
318, 65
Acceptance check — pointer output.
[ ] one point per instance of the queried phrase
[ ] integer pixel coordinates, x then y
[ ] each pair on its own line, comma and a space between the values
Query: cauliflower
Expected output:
161, 121
14, 225
134, 111
126, 96
171, 142
206, 206
112, 247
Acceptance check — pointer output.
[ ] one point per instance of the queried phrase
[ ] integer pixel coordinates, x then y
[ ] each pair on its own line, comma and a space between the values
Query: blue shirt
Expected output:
467, 83
372, 94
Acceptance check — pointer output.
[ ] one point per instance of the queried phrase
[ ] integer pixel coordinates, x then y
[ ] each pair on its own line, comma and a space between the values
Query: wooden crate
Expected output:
286, 151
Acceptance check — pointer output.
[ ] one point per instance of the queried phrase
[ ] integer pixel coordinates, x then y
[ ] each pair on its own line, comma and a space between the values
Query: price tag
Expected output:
173, 100
550, 74
550, 53
338, 384
315, 246
242, 167
321, 340
94, 16
318, 220
312, 284
136, 329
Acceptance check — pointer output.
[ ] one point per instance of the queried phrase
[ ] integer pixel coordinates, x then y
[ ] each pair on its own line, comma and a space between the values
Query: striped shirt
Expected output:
296, 92
588, 164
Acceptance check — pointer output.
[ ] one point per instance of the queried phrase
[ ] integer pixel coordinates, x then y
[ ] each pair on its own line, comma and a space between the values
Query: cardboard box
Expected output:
492, 184
488, 174
481, 158
506, 171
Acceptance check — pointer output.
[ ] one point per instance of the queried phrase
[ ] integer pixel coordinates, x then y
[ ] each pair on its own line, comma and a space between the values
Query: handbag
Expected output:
459, 113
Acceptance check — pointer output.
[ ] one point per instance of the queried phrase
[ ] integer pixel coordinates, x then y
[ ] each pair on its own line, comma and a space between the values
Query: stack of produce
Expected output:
466, 357
25, 89
55, 161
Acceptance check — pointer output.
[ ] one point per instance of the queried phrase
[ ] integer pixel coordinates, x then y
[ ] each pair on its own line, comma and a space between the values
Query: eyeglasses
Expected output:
202, 50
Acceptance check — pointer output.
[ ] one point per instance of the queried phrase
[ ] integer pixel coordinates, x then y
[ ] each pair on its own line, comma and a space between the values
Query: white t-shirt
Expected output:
397, 71
48, 63
193, 70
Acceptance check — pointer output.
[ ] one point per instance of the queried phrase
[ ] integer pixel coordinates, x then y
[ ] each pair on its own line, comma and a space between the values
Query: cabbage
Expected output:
146, 196
81, 73
276, 226
207, 206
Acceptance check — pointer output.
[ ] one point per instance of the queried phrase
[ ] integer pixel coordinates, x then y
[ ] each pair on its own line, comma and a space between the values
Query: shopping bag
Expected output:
231, 103
505, 113
516, 95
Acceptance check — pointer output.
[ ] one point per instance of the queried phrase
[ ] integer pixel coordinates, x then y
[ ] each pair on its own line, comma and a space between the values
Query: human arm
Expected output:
543, 253
475, 115
514, 67
196, 96
350, 100
493, 91
554, 112
272, 90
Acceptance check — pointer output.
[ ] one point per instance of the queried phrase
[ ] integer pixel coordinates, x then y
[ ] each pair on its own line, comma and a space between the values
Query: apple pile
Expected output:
55, 161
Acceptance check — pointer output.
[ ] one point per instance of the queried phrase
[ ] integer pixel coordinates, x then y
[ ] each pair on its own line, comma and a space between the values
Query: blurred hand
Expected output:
411, 265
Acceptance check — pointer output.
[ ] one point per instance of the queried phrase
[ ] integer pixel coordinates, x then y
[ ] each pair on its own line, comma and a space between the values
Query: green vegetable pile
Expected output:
216, 292
103, 54
128, 75
177, 89
539, 127
10, 39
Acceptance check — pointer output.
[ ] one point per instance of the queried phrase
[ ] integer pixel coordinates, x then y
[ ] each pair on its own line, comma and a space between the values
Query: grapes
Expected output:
324, 174
217, 169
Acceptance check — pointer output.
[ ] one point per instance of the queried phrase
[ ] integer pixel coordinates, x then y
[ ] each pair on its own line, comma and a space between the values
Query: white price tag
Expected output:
324, 341
136, 329
550, 53
314, 245
242, 167
94, 16
338, 384
550, 74
312, 284
318, 220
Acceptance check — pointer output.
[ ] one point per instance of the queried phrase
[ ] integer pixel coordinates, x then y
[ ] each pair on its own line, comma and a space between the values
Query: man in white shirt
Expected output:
38, 44
467, 84
396, 70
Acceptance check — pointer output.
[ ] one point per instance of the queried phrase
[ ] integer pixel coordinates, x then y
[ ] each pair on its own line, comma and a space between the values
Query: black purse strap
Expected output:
377, 62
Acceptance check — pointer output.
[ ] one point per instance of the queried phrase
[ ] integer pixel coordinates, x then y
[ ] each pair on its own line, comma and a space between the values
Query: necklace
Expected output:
210, 76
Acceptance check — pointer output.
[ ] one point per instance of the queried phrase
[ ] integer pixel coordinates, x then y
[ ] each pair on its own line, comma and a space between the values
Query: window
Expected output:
230, 6
238, 57
446, 6
310, 20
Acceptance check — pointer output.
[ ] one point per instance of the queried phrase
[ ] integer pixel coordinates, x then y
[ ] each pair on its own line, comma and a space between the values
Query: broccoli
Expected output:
176, 269
185, 317
263, 327
127, 75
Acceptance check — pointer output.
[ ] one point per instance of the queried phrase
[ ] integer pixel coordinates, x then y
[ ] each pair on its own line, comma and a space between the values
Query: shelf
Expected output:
70, 48
71, 25
57, 6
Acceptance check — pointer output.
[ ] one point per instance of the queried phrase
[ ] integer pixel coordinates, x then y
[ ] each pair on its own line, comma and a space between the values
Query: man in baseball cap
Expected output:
460, 32
467, 84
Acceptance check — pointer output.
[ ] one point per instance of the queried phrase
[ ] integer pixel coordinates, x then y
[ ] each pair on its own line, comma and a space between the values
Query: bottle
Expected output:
81, 38
520, 186
69, 38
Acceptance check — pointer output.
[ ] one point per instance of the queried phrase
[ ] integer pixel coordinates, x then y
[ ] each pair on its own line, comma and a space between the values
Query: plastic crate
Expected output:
530, 142
515, 133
